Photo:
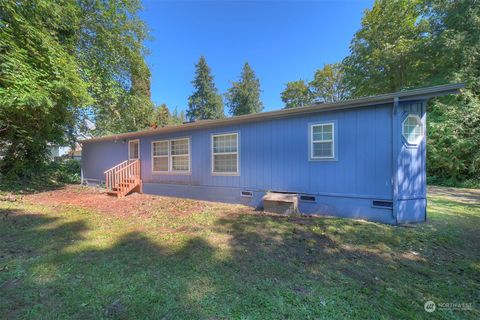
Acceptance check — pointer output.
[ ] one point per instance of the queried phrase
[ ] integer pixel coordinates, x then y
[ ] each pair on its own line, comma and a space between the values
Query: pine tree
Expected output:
176, 117
205, 102
162, 116
244, 96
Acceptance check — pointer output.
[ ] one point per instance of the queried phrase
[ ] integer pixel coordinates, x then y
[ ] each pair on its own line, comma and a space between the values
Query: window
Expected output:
133, 149
225, 153
180, 156
171, 156
322, 141
412, 129
160, 158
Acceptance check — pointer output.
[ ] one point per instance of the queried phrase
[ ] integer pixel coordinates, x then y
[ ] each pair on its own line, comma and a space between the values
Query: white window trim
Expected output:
162, 156
331, 140
170, 157
422, 131
134, 140
212, 154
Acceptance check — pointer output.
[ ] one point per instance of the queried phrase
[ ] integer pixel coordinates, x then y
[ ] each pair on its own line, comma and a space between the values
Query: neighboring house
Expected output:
56, 151
362, 158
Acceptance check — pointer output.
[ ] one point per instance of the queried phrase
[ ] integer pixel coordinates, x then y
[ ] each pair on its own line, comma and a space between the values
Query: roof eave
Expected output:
409, 95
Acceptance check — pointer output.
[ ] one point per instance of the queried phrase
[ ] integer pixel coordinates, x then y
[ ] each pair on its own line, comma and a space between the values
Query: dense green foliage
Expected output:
163, 117
110, 52
205, 102
53, 174
39, 80
62, 61
386, 53
406, 44
454, 122
244, 96
297, 94
328, 85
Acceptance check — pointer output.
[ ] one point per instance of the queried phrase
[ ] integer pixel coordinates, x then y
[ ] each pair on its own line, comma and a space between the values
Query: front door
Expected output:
133, 149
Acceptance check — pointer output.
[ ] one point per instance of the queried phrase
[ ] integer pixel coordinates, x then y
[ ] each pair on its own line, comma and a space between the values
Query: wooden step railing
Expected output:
123, 178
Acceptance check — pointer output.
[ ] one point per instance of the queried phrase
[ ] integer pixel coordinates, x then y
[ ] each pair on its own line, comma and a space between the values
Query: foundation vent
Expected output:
246, 194
382, 204
307, 198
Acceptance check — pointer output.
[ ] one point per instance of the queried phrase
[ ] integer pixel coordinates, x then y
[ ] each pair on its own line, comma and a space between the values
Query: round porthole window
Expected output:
412, 129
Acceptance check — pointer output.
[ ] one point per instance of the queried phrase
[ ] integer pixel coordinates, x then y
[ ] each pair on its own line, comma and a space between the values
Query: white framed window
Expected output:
412, 129
180, 155
171, 156
160, 156
322, 141
225, 154
134, 149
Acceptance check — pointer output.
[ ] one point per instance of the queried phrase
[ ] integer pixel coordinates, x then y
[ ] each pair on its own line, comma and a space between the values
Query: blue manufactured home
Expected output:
362, 158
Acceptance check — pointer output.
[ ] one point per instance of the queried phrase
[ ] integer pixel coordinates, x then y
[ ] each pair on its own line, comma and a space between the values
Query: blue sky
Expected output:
282, 40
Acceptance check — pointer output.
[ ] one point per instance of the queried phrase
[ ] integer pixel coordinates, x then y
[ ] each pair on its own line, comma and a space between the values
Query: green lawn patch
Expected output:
222, 261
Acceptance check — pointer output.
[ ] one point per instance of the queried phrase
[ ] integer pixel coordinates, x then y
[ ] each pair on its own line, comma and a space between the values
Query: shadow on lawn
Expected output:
29, 187
270, 269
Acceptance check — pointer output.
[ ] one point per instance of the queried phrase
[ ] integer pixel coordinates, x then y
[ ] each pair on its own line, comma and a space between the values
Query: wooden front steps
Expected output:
123, 179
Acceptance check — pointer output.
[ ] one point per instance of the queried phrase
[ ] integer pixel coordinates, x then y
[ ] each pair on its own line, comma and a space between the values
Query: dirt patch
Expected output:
135, 204
465, 196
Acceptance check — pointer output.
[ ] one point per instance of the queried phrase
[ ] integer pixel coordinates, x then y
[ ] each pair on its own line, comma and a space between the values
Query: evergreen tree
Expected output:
297, 94
177, 118
205, 102
162, 116
244, 96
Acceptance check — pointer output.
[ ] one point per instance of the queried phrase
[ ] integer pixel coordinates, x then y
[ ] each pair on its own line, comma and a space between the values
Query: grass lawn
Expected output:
180, 259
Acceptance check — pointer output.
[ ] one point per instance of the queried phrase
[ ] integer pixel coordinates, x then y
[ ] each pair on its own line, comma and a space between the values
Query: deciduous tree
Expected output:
386, 53
40, 86
111, 53
328, 84
64, 60
405, 44
297, 94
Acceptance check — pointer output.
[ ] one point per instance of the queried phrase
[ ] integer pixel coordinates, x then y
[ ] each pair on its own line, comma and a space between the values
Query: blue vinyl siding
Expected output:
274, 155
410, 170
372, 161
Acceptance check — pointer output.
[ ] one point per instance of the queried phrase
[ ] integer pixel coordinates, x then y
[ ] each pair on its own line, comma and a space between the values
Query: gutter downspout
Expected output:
396, 102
